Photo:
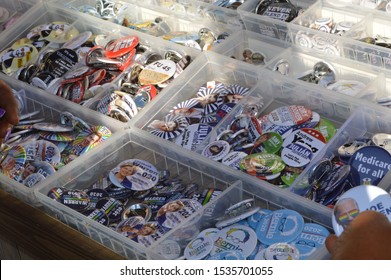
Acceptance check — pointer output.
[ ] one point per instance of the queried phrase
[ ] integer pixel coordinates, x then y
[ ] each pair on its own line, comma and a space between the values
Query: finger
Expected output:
331, 242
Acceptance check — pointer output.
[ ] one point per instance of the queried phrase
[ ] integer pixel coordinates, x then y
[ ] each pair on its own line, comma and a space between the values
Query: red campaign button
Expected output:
290, 115
93, 54
77, 92
121, 46
128, 60
316, 134
152, 91
96, 77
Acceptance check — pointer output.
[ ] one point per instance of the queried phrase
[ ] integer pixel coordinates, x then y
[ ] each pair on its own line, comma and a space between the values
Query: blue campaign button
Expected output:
280, 226
228, 255
372, 164
311, 238
256, 218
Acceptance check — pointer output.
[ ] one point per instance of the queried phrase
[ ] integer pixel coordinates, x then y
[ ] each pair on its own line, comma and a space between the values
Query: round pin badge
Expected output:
97, 215
95, 195
174, 212
58, 32
149, 233
193, 136
296, 155
61, 61
208, 96
348, 87
12, 160
282, 251
169, 249
311, 238
157, 72
307, 137
130, 227
208, 232
190, 108
262, 164
198, 248
33, 179
233, 159
42, 150
237, 238
13, 59
382, 140
88, 139
169, 128
280, 226
75, 199
216, 150
327, 128
134, 174
121, 46
112, 207
269, 142
268, 126
228, 255
40, 167
357, 200
290, 115
372, 163
257, 217
138, 209
58, 137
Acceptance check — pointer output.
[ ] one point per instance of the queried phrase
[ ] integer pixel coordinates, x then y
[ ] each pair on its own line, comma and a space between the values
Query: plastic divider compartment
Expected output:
208, 66
275, 91
127, 145
51, 107
364, 122
199, 9
303, 35
137, 13
371, 26
302, 63
264, 24
157, 45
264, 197
236, 43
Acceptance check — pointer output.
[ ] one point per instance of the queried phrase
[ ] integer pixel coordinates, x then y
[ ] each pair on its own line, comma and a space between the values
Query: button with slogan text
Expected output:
357, 200
198, 248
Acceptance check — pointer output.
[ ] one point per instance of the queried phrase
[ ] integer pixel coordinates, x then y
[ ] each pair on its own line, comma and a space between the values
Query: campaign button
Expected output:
257, 217
311, 238
382, 140
174, 212
235, 238
296, 155
169, 249
139, 209
290, 115
61, 61
130, 227
216, 150
198, 248
327, 128
228, 255
280, 226
357, 200
268, 126
134, 174
33, 179
308, 137
77, 200
157, 72
193, 136
77, 41
262, 164
233, 159
282, 251
269, 142
169, 128
348, 149
372, 163
97, 215
112, 207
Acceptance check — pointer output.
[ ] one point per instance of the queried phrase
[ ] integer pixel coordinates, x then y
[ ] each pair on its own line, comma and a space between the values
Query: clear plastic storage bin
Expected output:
50, 108
11, 11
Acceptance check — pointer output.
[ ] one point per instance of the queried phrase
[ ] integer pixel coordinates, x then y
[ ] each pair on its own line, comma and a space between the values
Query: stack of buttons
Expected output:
249, 232
148, 74
35, 149
363, 161
190, 121
275, 147
323, 74
138, 201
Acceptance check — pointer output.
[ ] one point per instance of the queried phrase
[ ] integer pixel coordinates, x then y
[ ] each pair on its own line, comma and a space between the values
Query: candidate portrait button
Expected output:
357, 200
216, 150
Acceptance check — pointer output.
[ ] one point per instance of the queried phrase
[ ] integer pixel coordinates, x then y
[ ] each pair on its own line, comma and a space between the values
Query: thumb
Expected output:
331, 242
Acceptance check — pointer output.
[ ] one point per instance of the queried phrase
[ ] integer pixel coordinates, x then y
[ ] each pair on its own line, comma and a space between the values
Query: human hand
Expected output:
10, 105
368, 237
